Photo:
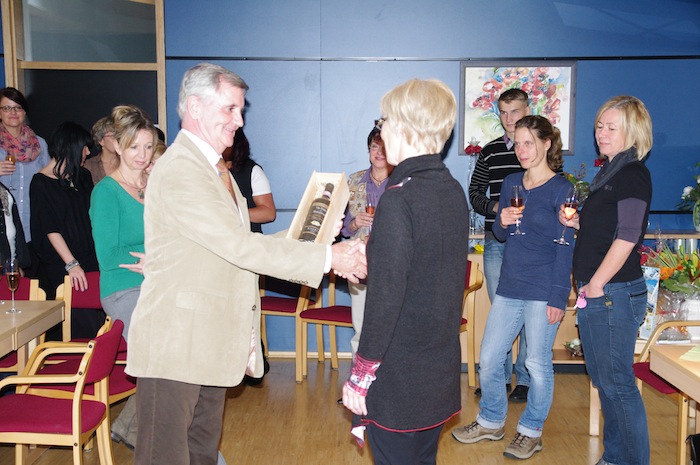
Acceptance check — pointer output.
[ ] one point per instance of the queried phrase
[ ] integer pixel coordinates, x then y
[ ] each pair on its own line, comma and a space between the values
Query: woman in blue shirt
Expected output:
532, 291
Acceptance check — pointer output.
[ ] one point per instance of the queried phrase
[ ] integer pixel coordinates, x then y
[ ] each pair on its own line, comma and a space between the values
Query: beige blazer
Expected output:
199, 301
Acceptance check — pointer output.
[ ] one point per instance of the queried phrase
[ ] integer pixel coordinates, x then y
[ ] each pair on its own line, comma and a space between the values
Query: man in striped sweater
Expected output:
496, 161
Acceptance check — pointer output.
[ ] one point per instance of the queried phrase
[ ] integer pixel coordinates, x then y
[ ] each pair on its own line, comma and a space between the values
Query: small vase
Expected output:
696, 216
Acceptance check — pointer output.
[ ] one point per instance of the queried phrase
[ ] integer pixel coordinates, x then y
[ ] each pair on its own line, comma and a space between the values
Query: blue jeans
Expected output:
493, 258
608, 328
506, 319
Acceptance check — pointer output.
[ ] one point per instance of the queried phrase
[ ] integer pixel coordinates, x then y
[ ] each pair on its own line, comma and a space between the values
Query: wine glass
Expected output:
10, 157
12, 279
517, 200
371, 207
570, 207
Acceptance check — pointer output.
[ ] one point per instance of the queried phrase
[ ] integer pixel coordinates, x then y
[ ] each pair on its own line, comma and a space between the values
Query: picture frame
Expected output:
551, 86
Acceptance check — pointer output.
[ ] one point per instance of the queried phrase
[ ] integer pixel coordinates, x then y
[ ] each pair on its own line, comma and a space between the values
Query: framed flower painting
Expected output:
551, 86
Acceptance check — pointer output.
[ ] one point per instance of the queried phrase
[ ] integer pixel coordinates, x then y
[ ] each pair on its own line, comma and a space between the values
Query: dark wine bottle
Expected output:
314, 218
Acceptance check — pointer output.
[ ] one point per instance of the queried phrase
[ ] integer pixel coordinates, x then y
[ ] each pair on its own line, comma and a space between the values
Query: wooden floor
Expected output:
284, 423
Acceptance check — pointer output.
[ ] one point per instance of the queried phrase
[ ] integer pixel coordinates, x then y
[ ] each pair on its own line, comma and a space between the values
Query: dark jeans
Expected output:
399, 448
179, 423
608, 327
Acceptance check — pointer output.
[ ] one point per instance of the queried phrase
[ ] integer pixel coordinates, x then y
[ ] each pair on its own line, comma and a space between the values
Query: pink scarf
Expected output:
25, 148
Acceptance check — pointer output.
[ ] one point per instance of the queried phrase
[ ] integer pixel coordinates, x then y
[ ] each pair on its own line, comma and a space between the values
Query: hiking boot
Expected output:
523, 447
474, 432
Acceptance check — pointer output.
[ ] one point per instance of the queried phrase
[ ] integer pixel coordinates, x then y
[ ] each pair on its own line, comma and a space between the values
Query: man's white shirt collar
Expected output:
206, 149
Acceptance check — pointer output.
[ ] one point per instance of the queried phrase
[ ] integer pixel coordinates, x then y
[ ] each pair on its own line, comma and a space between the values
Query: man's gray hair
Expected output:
203, 81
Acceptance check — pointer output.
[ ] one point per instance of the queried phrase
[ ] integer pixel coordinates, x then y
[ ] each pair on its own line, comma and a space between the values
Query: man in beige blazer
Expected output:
195, 329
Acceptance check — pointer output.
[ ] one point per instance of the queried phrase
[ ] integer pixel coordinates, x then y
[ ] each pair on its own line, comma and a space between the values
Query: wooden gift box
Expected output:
336, 208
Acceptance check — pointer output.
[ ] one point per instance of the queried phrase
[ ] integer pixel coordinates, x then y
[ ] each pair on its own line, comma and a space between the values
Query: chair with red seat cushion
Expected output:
332, 316
289, 307
473, 281
34, 419
28, 289
88, 299
645, 375
121, 385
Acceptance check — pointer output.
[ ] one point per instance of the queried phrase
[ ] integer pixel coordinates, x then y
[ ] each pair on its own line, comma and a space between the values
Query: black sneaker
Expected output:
519, 394
477, 393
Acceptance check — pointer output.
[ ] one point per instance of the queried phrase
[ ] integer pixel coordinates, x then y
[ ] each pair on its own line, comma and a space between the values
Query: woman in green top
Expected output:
116, 213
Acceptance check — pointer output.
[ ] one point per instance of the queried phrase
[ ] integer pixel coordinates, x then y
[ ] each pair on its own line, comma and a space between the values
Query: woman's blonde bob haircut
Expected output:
424, 111
127, 121
635, 122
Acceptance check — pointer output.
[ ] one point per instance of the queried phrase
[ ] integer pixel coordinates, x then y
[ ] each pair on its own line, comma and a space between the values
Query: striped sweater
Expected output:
495, 162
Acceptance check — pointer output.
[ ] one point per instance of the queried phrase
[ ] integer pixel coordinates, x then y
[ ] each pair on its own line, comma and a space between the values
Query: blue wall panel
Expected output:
318, 69
242, 28
661, 84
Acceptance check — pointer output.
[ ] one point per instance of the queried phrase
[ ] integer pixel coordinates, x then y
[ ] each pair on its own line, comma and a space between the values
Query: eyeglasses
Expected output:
9, 109
378, 123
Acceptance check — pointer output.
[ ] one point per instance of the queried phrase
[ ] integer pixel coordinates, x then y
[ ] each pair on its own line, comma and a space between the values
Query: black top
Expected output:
600, 222
58, 207
417, 258
243, 179
21, 249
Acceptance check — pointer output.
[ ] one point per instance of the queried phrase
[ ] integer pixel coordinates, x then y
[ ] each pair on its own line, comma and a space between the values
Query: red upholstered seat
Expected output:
281, 304
332, 316
24, 290
119, 382
299, 300
9, 361
28, 413
31, 418
339, 314
643, 372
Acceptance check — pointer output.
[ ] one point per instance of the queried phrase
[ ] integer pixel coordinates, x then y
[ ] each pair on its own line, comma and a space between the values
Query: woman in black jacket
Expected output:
12, 242
405, 378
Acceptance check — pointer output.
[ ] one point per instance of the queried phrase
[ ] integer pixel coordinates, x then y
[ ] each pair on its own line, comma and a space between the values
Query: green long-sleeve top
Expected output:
117, 229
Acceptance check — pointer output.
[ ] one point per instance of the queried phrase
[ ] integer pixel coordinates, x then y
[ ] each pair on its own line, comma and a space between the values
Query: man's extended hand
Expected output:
349, 260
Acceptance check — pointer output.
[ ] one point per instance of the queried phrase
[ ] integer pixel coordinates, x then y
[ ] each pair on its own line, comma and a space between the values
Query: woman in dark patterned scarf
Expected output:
22, 152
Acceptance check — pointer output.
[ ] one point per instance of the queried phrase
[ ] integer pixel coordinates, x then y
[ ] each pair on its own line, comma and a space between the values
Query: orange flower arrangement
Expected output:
679, 272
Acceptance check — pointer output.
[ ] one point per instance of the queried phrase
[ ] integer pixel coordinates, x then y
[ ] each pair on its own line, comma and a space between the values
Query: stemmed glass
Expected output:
371, 206
570, 207
10, 157
12, 279
517, 200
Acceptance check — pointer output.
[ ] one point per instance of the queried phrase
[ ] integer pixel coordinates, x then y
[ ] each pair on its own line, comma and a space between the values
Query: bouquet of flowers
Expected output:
680, 272
679, 278
691, 194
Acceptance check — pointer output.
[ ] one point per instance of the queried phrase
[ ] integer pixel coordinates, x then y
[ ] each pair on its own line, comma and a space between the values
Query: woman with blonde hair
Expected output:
405, 379
612, 290
116, 211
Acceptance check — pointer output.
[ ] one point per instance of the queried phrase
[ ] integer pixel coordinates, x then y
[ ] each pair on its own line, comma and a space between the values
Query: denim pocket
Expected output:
638, 301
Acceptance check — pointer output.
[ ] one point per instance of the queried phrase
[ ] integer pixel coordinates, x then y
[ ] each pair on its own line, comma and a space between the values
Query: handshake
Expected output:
349, 260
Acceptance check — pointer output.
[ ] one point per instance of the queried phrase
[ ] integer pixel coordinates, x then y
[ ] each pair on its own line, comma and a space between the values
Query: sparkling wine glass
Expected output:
371, 207
570, 207
517, 200
10, 157
12, 279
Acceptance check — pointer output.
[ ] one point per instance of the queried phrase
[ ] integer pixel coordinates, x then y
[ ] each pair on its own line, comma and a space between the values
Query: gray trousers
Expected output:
179, 423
